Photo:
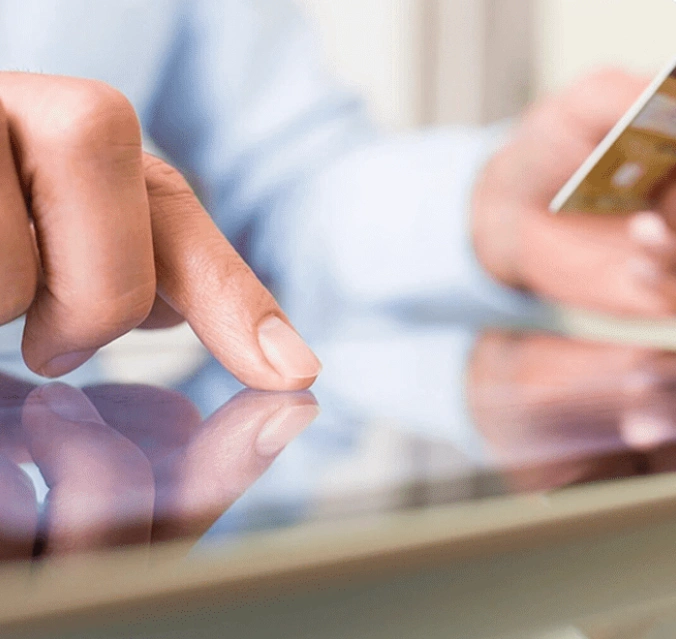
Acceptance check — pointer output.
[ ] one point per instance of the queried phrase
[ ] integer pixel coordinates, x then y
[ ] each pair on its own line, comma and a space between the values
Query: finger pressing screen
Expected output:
202, 277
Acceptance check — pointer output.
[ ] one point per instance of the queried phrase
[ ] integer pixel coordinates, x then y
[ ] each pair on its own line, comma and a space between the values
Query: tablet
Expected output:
418, 444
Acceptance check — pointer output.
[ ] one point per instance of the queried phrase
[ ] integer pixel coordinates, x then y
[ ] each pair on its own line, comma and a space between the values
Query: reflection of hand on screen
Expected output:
556, 411
126, 465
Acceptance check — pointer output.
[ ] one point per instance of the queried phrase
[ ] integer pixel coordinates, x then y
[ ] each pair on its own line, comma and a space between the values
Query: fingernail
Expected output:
283, 427
286, 351
63, 364
649, 229
644, 431
67, 402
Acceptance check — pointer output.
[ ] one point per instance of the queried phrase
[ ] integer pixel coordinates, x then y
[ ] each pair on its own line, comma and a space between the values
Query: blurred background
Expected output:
431, 62
473, 61
435, 62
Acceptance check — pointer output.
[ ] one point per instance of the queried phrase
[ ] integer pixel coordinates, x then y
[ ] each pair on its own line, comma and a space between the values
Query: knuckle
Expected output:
108, 315
230, 273
122, 314
163, 180
244, 295
605, 85
92, 114
660, 310
169, 192
659, 305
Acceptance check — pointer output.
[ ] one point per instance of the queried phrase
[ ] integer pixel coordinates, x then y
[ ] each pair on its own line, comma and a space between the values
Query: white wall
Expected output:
577, 35
372, 45
425, 61
376, 45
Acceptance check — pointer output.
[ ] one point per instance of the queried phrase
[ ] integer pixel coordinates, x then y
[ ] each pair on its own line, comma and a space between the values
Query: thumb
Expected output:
596, 102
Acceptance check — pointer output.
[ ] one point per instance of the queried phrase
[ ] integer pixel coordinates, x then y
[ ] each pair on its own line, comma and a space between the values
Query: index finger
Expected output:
201, 276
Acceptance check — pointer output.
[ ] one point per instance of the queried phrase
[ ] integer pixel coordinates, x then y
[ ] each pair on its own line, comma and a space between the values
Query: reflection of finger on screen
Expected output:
645, 429
13, 393
225, 457
157, 420
101, 485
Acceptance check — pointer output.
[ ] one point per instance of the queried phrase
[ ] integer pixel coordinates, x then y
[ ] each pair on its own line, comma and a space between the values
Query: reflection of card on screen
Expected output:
628, 170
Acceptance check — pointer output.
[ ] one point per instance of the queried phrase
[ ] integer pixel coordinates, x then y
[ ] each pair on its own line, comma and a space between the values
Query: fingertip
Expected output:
252, 401
203, 278
293, 385
63, 364
287, 352
61, 401
649, 229
284, 426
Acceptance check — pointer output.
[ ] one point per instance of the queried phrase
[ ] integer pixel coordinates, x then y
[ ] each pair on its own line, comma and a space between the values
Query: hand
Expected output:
556, 411
622, 265
131, 464
97, 238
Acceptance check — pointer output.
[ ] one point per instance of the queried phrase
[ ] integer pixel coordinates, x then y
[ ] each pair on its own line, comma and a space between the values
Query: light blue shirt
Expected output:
329, 212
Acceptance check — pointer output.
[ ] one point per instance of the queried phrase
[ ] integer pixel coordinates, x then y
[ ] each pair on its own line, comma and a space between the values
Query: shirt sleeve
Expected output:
322, 205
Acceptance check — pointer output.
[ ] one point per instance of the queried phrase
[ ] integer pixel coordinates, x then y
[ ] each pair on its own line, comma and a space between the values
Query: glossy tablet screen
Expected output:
404, 417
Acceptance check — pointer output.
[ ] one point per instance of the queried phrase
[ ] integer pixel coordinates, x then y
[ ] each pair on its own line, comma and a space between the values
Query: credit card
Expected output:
629, 170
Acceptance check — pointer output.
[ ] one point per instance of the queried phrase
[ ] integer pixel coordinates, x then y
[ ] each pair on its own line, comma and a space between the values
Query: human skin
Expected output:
98, 238
622, 265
